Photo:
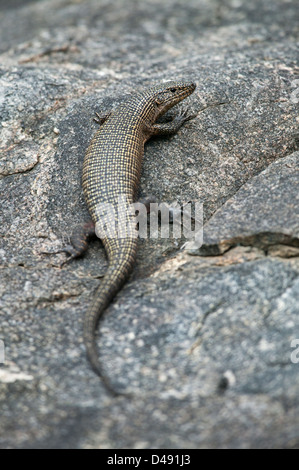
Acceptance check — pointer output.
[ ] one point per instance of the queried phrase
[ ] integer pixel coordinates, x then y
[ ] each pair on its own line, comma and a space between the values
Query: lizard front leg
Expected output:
171, 127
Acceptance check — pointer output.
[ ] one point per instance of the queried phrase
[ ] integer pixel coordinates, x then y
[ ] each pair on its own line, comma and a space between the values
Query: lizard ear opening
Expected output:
161, 97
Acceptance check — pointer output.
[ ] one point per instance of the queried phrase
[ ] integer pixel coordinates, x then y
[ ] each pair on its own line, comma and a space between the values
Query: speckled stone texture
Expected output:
202, 338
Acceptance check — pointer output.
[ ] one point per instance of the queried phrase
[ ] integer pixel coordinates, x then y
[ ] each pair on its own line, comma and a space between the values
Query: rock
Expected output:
263, 213
206, 345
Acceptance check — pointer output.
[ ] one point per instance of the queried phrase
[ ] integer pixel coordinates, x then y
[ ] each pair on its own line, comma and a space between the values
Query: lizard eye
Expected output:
173, 90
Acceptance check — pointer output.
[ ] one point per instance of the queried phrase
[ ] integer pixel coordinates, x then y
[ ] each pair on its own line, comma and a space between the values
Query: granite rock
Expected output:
206, 344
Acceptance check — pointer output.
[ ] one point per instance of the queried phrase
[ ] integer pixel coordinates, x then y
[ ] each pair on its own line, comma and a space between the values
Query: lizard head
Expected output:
169, 94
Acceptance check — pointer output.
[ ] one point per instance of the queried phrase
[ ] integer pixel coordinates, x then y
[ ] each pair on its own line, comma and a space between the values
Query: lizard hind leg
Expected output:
78, 242
80, 239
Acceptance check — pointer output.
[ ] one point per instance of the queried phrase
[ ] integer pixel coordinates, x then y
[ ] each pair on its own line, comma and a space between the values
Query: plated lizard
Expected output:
111, 168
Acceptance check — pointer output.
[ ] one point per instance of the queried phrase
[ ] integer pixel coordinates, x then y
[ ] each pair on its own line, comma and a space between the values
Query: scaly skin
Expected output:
111, 168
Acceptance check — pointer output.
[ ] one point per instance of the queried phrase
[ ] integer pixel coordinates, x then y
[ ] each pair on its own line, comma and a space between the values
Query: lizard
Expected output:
112, 167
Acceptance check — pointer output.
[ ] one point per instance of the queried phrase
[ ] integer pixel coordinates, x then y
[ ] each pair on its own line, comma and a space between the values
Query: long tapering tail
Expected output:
120, 266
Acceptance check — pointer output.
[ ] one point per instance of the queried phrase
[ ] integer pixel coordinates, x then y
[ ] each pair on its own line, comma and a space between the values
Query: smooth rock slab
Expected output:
263, 213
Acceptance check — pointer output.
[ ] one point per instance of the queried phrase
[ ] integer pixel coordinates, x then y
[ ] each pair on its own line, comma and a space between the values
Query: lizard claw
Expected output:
185, 114
101, 118
69, 250
98, 118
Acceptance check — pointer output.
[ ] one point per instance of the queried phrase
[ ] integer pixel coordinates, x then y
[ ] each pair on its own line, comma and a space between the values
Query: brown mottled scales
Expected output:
111, 168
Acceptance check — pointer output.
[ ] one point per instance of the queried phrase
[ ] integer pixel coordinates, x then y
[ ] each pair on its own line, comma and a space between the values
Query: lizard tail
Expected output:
119, 269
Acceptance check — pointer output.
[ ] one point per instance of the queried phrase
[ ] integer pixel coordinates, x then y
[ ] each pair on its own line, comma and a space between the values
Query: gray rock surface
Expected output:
263, 213
204, 343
